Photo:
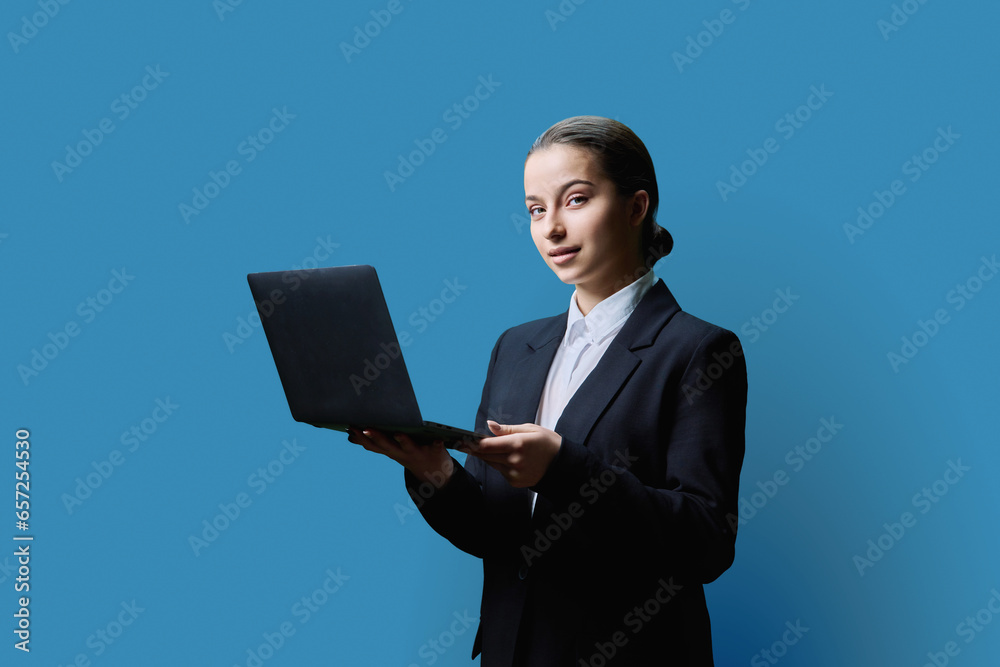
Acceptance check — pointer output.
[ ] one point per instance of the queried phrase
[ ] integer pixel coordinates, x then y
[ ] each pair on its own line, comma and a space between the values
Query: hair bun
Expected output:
659, 244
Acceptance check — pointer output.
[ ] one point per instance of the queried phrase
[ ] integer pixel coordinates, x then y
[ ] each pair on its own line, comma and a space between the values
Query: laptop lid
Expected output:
335, 348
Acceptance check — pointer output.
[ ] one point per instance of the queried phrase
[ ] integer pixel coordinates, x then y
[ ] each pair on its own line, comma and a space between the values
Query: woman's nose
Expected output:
554, 225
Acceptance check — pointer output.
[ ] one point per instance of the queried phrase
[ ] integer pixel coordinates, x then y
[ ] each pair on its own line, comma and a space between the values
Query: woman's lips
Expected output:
565, 256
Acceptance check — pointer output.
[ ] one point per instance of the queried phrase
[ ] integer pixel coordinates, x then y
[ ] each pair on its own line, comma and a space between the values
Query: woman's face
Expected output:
586, 232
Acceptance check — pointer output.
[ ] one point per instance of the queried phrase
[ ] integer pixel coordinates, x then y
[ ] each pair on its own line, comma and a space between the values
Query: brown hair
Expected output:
624, 160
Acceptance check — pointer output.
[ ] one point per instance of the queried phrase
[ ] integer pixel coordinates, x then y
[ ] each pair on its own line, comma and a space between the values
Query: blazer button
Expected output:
522, 572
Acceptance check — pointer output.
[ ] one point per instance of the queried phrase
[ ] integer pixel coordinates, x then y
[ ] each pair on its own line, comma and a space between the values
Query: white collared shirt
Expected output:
584, 343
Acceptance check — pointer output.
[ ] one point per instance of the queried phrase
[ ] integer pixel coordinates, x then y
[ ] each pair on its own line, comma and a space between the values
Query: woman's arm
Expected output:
448, 495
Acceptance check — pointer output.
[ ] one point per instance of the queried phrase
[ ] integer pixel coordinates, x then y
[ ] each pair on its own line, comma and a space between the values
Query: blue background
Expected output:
318, 195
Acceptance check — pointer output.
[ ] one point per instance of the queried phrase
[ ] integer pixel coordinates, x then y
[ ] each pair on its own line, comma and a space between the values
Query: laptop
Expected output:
337, 354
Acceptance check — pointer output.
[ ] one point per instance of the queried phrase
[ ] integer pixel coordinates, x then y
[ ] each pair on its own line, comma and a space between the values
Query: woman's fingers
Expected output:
498, 459
374, 441
521, 456
401, 448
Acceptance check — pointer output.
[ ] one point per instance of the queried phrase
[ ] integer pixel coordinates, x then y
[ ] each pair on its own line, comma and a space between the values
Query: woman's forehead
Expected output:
557, 164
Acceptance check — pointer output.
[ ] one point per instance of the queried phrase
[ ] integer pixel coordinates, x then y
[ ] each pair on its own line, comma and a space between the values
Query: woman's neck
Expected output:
589, 295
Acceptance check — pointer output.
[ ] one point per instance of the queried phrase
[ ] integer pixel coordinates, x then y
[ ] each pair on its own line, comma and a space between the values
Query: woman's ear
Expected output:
638, 205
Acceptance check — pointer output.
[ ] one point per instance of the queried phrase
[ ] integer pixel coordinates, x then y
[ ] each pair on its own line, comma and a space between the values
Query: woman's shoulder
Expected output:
535, 332
697, 328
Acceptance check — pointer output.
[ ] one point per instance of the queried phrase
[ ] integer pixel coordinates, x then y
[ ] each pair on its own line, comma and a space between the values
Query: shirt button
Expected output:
522, 572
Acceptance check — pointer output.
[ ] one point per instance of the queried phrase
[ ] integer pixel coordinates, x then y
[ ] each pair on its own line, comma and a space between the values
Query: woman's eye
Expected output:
535, 210
577, 198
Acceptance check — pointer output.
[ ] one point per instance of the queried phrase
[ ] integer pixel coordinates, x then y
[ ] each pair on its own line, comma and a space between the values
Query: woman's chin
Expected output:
566, 275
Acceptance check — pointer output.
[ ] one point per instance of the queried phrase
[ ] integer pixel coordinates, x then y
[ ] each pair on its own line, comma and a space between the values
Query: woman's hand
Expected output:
520, 452
429, 463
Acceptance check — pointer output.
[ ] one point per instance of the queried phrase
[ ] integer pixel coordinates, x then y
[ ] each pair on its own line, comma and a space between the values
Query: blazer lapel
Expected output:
595, 394
520, 403
616, 365
530, 373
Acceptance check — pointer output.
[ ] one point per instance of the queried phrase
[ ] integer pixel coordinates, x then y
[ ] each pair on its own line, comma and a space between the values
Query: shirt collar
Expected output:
608, 316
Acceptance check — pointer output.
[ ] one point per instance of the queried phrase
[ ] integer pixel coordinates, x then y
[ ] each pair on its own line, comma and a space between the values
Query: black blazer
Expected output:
637, 510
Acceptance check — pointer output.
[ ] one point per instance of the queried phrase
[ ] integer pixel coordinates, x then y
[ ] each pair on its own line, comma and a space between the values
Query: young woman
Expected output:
607, 494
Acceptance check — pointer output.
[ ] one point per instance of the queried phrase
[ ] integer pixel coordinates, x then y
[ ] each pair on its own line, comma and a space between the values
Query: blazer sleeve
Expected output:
457, 510
685, 521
